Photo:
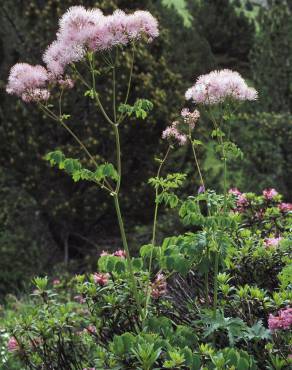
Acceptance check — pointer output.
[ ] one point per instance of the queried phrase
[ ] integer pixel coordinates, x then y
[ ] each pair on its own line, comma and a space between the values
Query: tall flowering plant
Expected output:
89, 37
217, 94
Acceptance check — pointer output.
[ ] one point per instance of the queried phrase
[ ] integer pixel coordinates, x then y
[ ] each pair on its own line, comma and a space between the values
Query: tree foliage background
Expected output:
43, 214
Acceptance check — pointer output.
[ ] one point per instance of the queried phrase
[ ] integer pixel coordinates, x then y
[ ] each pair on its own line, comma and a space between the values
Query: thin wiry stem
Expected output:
153, 241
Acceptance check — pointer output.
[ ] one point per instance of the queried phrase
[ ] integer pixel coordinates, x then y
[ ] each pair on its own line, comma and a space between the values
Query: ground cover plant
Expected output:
218, 295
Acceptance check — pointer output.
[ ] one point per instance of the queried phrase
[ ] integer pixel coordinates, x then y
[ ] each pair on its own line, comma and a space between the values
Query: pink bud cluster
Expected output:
119, 253
270, 194
172, 133
282, 321
158, 287
216, 86
272, 242
28, 82
100, 278
12, 345
81, 30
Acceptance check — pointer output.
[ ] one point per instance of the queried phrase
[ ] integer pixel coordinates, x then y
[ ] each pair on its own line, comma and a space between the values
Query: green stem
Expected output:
216, 268
196, 159
153, 240
126, 248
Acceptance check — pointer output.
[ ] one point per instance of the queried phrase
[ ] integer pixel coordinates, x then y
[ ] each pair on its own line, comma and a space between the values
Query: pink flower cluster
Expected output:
282, 321
28, 82
12, 345
270, 194
190, 118
241, 200
285, 207
81, 30
101, 279
119, 253
216, 86
158, 287
172, 133
272, 242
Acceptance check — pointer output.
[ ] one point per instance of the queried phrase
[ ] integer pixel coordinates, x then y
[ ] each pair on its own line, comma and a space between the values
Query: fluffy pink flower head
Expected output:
12, 345
172, 133
28, 82
120, 253
282, 321
101, 279
158, 287
190, 118
272, 242
60, 54
216, 86
78, 25
142, 23
285, 207
270, 194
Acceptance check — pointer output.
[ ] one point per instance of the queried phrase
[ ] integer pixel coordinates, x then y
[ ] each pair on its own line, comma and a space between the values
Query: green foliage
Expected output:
140, 109
73, 167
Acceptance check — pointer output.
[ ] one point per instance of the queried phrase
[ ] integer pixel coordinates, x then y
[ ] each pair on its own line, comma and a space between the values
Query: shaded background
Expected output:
43, 214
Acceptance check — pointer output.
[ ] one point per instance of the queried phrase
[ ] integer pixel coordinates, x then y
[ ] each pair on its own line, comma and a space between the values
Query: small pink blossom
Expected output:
101, 279
172, 133
216, 86
158, 287
120, 253
270, 194
272, 242
282, 321
285, 207
66, 83
12, 345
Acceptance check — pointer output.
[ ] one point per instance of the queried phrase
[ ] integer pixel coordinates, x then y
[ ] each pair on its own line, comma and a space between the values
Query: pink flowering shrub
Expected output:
281, 322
